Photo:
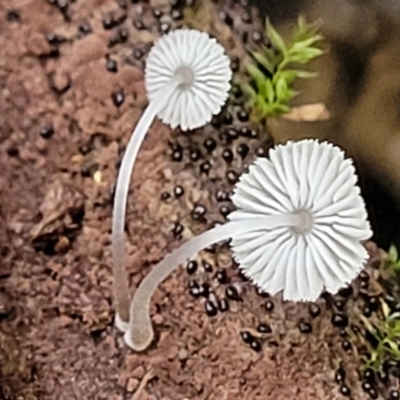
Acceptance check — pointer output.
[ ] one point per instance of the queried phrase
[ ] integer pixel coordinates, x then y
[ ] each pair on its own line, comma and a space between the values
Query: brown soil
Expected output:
61, 139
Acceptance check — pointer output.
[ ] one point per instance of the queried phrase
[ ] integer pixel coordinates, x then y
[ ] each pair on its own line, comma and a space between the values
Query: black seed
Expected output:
54, 39
226, 18
223, 305
269, 305
13, 152
346, 292
84, 149
383, 376
216, 121
232, 293
221, 276
176, 14
165, 27
225, 139
264, 328
210, 144
242, 381
113, 40
192, 284
198, 212
237, 91
340, 320
220, 196
242, 150
343, 333
191, 267
108, 22
195, 154
339, 304
314, 310
138, 24
364, 276
85, 28
13, 16
369, 375
165, 196
246, 336
88, 169
138, 54
394, 394
228, 118
157, 13
346, 345
355, 329
345, 391
340, 375
177, 229
47, 132
364, 284
210, 308
205, 167
118, 98
111, 65
255, 345
178, 191
123, 34
245, 132
366, 386
232, 177
235, 64
260, 293
204, 290
195, 292
367, 311
207, 266
225, 211
305, 327
232, 134
177, 154
227, 155
243, 115
373, 303
261, 152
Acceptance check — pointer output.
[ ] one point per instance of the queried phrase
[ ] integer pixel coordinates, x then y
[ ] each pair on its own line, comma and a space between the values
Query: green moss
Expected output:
274, 69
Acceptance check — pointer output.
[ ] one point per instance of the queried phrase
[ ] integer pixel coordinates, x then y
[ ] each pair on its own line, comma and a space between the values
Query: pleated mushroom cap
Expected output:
325, 252
206, 71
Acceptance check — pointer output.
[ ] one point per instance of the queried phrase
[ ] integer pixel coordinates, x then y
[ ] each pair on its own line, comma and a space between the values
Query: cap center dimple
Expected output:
306, 222
185, 76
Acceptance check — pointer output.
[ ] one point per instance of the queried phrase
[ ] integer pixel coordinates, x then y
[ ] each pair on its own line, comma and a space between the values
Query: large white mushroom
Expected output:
187, 78
298, 228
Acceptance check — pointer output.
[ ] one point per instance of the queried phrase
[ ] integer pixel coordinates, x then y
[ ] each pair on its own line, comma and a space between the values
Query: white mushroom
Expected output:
187, 78
298, 228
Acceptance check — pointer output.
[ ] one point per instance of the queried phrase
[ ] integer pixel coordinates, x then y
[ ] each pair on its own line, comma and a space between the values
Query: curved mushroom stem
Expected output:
140, 332
120, 285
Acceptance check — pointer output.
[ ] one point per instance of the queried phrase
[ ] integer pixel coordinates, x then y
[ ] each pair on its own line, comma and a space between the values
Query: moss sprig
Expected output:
274, 69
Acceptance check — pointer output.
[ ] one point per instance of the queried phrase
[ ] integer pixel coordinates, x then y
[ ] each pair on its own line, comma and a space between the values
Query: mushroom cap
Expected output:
315, 181
206, 71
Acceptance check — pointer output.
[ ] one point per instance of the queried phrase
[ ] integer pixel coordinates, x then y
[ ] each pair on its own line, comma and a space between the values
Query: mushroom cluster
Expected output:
298, 228
187, 78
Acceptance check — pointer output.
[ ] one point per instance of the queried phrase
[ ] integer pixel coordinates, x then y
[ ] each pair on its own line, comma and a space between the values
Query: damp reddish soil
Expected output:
71, 81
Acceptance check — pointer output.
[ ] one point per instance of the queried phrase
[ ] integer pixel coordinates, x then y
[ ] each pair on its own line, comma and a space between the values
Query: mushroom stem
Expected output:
120, 285
140, 332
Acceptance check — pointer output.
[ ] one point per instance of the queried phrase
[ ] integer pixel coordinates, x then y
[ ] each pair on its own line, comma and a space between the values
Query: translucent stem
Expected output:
120, 285
140, 332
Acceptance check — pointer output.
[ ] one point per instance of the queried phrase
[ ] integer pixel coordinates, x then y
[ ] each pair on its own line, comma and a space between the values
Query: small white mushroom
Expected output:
187, 78
298, 228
